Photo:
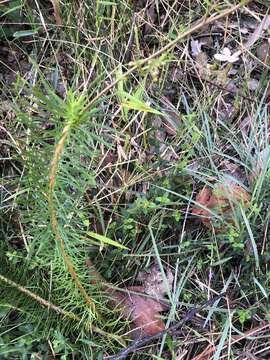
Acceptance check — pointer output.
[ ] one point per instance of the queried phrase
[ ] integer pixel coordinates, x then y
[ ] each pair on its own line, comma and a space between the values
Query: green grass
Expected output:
105, 180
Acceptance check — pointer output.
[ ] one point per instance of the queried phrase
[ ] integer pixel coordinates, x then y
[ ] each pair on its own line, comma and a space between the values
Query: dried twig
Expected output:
208, 351
189, 315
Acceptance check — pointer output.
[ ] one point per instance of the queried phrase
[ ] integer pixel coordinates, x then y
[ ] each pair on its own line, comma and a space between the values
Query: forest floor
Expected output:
134, 160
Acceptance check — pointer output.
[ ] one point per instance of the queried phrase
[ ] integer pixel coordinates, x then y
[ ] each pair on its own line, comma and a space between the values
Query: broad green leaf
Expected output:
135, 104
106, 240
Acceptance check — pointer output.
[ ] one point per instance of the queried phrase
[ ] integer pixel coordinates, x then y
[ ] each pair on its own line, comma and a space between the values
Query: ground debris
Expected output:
140, 304
222, 200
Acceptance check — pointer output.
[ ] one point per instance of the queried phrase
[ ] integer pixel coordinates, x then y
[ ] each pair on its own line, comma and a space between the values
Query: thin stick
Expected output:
197, 26
141, 342
208, 351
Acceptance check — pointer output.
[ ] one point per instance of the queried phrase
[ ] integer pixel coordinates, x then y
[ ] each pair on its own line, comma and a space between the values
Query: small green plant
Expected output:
243, 316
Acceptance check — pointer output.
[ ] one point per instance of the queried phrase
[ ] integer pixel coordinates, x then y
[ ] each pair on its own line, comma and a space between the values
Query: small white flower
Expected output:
226, 55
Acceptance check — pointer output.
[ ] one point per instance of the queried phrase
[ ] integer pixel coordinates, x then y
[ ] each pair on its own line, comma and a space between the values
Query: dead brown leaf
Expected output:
143, 311
222, 199
153, 282
135, 303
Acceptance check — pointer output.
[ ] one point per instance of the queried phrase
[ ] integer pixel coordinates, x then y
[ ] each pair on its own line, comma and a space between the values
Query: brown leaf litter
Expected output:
222, 200
140, 304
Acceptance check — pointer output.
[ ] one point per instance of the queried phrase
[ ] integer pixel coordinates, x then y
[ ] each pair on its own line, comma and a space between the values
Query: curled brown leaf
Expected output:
143, 311
223, 199
133, 304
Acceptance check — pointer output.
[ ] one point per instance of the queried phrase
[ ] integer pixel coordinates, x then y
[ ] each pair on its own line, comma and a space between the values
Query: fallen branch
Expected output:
189, 316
